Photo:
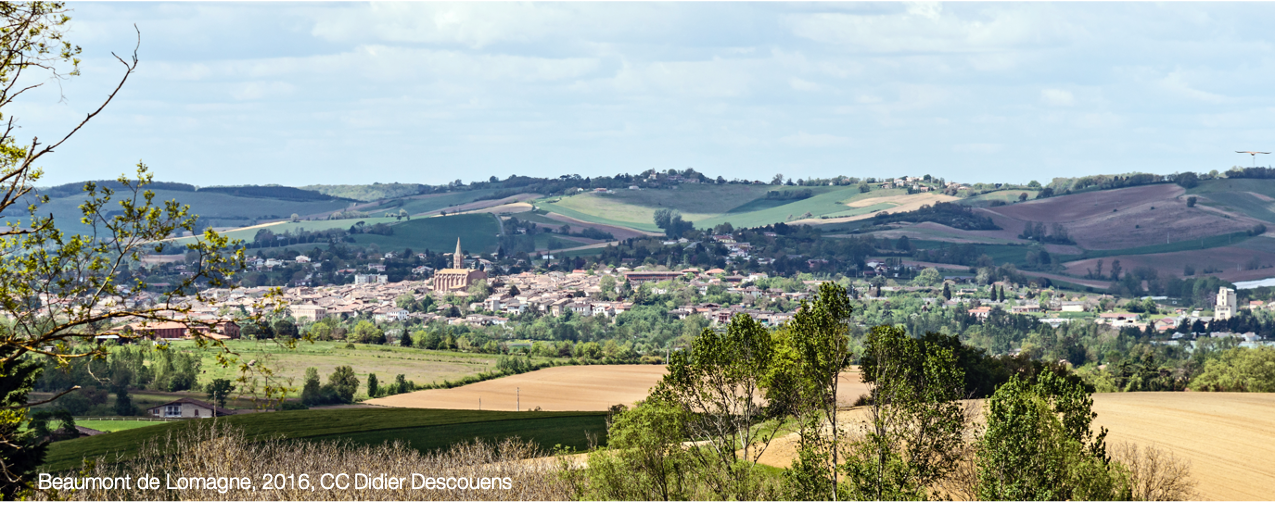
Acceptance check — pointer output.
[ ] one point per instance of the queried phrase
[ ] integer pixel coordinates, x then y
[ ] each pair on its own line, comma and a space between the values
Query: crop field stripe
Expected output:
301, 424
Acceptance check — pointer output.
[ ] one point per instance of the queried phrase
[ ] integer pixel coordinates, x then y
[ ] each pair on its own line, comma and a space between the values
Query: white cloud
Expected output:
803, 85
805, 140
1056, 97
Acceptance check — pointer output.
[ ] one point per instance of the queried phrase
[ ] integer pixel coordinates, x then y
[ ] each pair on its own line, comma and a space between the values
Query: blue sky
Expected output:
298, 93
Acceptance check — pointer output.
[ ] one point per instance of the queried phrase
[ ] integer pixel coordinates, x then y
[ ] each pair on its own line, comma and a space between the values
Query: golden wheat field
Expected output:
1229, 438
569, 388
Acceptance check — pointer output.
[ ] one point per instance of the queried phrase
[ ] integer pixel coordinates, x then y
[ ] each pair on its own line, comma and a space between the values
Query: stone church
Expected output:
458, 277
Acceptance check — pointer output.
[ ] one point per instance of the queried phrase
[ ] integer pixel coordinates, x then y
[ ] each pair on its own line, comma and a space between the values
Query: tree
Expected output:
1039, 446
367, 332
343, 383
607, 285
1190, 201
372, 386
903, 244
913, 435
720, 379
311, 393
295, 218
819, 336
777, 180
284, 327
1116, 270
44, 263
929, 277
947, 291
1022, 197
645, 458
218, 390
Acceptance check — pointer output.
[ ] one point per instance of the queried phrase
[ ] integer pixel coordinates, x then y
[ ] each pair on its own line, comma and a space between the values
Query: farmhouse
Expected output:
188, 408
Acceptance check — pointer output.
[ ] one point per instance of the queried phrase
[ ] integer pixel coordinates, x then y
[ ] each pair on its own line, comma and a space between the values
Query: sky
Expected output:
354, 93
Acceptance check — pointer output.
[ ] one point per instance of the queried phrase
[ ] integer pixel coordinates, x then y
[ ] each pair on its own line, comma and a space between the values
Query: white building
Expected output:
369, 279
1225, 308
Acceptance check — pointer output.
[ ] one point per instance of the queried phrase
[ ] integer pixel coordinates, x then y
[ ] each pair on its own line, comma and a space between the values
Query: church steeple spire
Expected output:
458, 260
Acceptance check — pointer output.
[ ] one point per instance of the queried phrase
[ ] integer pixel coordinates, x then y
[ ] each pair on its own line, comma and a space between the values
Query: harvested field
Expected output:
1228, 438
568, 388
1122, 218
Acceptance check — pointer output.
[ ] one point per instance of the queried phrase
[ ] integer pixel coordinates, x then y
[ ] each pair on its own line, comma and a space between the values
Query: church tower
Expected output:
458, 260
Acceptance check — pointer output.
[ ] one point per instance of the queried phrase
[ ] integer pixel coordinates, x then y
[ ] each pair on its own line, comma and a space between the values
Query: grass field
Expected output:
1253, 197
702, 205
1007, 196
116, 425
422, 429
421, 366
477, 233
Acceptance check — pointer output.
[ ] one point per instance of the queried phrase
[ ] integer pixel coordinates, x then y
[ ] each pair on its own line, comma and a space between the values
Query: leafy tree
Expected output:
23, 450
343, 383
913, 435
405, 301
42, 262
1238, 370
367, 332
645, 458
720, 379
929, 277
311, 393
218, 390
819, 336
1039, 446
1190, 201
284, 327
373, 388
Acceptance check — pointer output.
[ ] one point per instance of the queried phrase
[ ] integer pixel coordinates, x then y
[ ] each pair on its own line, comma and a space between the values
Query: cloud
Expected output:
1055, 97
805, 140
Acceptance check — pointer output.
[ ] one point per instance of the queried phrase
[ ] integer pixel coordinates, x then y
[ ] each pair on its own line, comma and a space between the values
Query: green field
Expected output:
427, 203
1007, 196
116, 425
423, 429
1236, 195
386, 361
477, 233
702, 205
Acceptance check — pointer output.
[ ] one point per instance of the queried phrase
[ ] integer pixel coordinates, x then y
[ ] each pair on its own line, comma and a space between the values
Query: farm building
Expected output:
188, 408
